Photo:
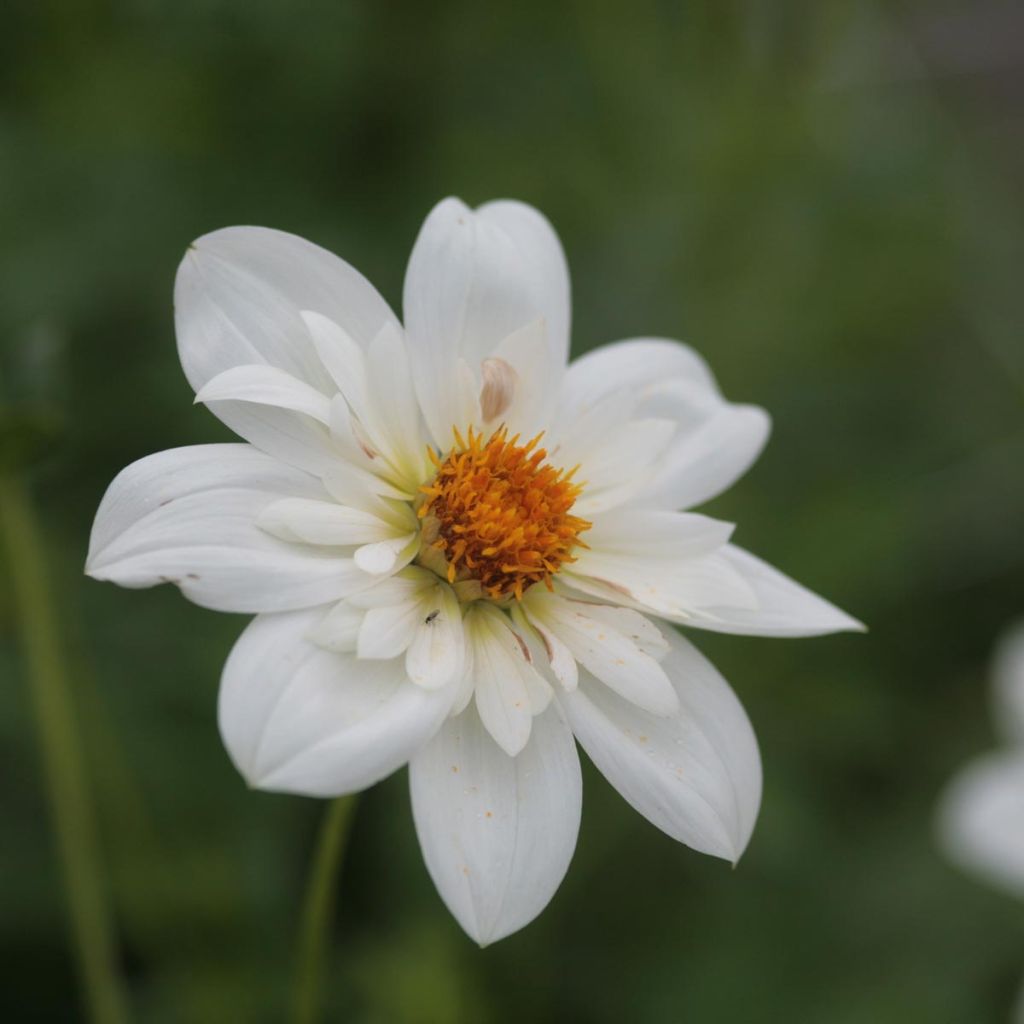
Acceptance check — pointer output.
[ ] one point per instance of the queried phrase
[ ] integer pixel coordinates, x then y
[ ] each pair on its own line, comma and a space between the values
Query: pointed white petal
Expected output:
296, 718
502, 677
473, 279
609, 655
981, 820
189, 517
678, 589
696, 775
497, 832
782, 606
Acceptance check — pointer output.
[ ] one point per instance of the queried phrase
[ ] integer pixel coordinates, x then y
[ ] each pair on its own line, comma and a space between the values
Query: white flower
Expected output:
453, 543
981, 813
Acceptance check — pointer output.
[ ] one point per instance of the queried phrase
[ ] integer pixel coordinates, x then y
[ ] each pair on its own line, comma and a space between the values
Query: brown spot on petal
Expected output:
617, 587
499, 387
523, 648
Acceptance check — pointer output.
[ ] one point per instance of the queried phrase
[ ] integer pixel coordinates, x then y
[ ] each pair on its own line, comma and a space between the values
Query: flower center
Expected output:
501, 513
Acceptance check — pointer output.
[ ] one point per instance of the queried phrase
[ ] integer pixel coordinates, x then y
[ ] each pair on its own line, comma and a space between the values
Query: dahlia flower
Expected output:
981, 813
462, 553
981, 817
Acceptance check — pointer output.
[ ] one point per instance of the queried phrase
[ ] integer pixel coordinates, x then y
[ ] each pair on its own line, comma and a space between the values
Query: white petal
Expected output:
783, 607
339, 628
981, 820
396, 412
387, 632
386, 556
266, 385
188, 516
342, 357
503, 677
675, 589
437, 654
618, 469
646, 533
237, 299
322, 522
641, 366
408, 585
696, 775
377, 387
715, 441
497, 832
560, 658
358, 487
524, 357
639, 629
617, 453
296, 718
609, 655
473, 279
1008, 686
707, 460
542, 253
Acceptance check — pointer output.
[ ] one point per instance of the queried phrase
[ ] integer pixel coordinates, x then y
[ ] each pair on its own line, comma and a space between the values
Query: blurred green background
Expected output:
824, 198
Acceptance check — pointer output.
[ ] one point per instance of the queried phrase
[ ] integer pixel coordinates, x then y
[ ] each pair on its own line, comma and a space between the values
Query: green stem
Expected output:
307, 1000
74, 825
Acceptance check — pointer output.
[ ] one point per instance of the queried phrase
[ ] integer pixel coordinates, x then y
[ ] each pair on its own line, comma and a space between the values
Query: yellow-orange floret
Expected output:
502, 513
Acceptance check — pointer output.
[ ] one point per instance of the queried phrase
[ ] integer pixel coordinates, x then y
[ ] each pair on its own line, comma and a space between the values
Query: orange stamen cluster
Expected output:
502, 513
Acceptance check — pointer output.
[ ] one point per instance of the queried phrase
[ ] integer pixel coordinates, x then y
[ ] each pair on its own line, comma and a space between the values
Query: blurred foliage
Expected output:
808, 194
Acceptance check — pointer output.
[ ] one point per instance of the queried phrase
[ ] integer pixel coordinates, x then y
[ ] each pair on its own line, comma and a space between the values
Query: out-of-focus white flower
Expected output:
981, 813
454, 544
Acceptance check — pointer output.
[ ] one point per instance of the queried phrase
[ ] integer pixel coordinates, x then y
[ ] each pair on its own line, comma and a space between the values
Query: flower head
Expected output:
457, 547
981, 815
